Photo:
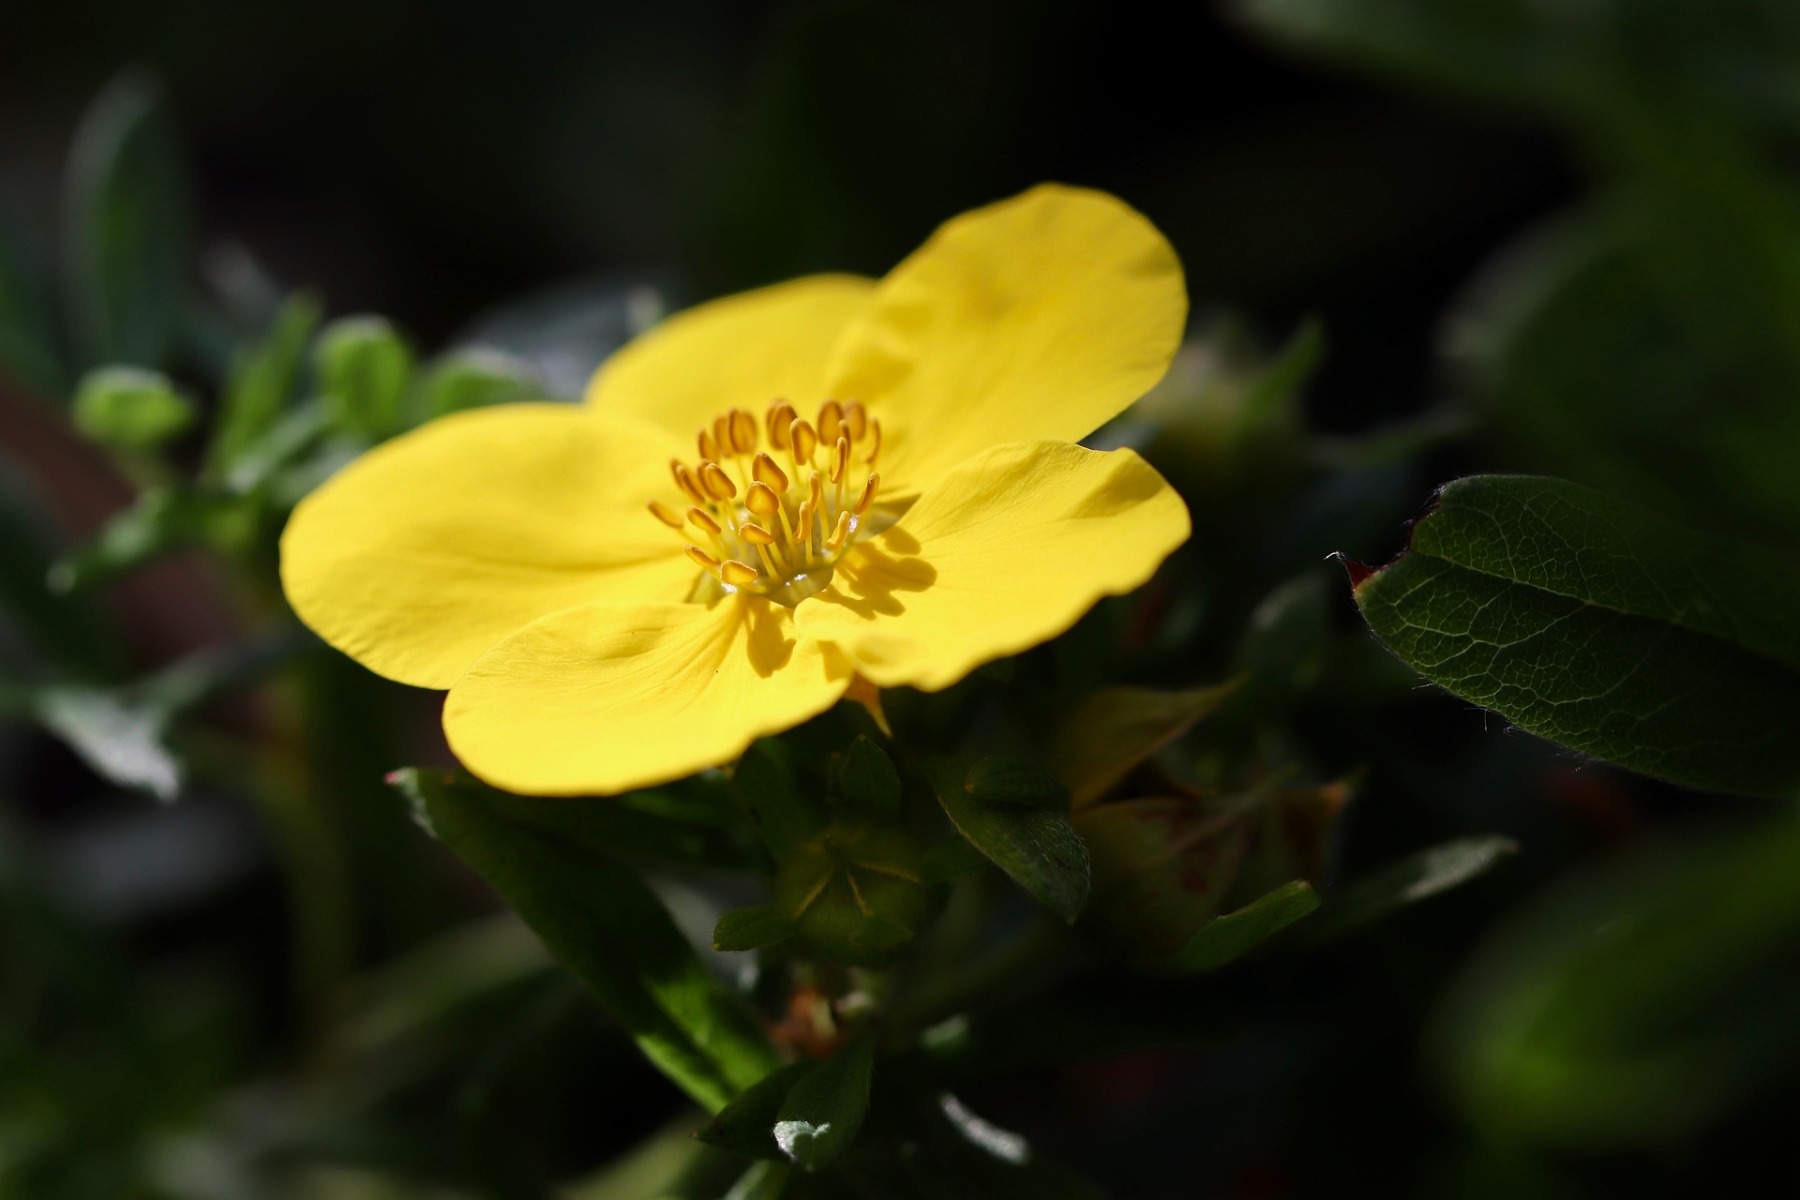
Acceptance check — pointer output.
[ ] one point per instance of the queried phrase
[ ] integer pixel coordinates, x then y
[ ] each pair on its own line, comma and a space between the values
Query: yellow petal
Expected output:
1005, 551
419, 556
1042, 316
606, 698
742, 351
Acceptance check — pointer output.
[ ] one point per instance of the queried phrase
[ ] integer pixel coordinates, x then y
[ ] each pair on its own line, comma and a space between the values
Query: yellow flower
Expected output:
933, 516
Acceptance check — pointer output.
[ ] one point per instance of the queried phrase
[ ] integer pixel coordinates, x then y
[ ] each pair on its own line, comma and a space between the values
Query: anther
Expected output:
721, 435
738, 574
840, 533
755, 534
703, 559
815, 492
665, 514
768, 474
709, 445
781, 417
803, 523
743, 431
684, 479
703, 519
831, 421
868, 494
856, 417
874, 440
803, 440
840, 458
718, 484
761, 500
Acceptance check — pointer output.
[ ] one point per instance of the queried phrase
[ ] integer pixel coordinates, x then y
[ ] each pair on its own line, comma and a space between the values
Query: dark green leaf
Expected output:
607, 927
855, 892
131, 407
1005, 781
1289, 635
747, 1124
1418, 877
1162, 868
163, 519
951, 859
56, 635
1237, 933
868, 780
783, 817
824, 1109
1594, 624
1638, 1002
363, 367
662, 826
29, 350
476, 379
1115, 729
128, 237
752, 929
1038, 848
263, 382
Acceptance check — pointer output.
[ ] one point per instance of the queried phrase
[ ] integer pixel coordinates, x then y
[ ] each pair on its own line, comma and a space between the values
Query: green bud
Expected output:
131, 408
363, 367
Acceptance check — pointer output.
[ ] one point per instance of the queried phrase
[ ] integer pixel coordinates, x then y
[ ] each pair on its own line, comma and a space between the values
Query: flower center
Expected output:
773, 504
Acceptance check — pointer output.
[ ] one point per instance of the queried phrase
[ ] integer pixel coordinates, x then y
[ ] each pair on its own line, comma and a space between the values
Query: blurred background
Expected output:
1421, 239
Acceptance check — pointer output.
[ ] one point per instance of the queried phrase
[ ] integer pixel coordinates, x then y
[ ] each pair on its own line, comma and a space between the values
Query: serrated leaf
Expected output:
363, 368
1115, 729
824, 1109
263, 381
868, 780
131, 407
1594, 624
1004, 781
128, 233
606, 926
752, 929
1235, 934
1037, 848
1417, 877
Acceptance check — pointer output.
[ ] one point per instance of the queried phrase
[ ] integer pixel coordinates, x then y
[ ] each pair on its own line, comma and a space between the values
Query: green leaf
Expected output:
1005, 781
784, 818
868, 780
854, 893
128, 236
752, 929
363, 367
262, 383
1417, 877
162, 520
1162, 867
606, 926
1637, 1002
29, 350
117, 734
1235, 934
1115, 729
1596, 625
475, 379
1038, 848
747, 1124
687, 826
824, 1109
131, 407
1289, 635
56, 635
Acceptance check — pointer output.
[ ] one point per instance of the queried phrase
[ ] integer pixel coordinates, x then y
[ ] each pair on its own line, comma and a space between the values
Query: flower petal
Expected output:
741, 351
1042, 316
419, 556
605, 698
1007, 550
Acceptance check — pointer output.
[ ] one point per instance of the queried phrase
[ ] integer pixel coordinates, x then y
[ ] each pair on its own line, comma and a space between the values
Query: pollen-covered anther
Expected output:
802, 441
766, 472
738, 574
743, 432
831, 421
704, 520
780, 420
703, 559
840, 533
867, 497
684, 479
756, 535
874, 449
856, 419
665, 514
840, 458
762, 500
717, 483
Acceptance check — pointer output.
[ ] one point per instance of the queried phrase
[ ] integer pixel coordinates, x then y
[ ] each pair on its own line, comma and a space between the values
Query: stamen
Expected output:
743, 431
874, 439
704, 520
840, 458
703, 559
781, 417
868, 493
718, 484
755, 534
709, 445
768, 474
665, 514
738, 574
721, 433
804, 440
840, 533
762, 501
831, 421
803, 526
684, 479
857, 418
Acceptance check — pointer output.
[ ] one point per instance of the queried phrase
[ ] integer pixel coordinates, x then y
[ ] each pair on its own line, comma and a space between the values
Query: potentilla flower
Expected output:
763, 499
